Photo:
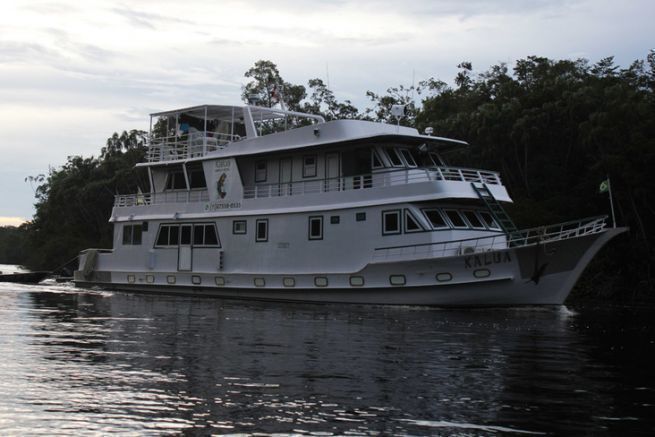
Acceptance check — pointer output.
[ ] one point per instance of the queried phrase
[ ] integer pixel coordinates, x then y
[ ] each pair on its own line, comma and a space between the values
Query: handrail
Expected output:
189, 145
178, 196
538, 235
372, 180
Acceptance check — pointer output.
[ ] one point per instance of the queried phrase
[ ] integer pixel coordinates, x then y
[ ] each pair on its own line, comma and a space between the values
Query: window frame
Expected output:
311, 219
375, 155
404, 152
495, 226
131, 231
445, 211
259, 239
475, 214
313, 168
408, 212
193, 225
360, 216
397, 212
438, 211
389, 151
234, 227
265, 170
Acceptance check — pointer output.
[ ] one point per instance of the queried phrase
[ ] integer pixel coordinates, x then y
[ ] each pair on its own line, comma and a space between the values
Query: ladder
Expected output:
495, 208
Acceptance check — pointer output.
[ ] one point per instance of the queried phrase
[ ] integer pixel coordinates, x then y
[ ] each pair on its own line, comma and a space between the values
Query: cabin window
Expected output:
409, 159
196, 176
316, 228
261, 227
260, 171
211, 237
360, 216
239, 227
455, 218
309, 166
489, 220
132, 234
473, 219
391, 222
411, 223
334, 220
376, 162
201, 234
435, 218
175, 180
395, 159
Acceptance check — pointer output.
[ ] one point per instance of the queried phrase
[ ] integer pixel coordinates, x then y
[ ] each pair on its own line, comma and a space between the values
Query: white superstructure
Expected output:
261, 203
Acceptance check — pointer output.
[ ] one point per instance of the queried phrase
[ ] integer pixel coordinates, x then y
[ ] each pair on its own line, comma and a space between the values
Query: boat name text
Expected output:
216, 206
486, 259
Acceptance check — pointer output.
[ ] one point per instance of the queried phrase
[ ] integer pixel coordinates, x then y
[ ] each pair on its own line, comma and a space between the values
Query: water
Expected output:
92, 362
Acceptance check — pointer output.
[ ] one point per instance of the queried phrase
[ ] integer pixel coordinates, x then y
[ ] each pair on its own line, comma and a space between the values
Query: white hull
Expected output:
537, 274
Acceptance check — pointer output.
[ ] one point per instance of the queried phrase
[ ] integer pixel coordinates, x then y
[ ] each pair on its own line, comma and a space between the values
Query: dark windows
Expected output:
489, 220
309, 166
175, 180
239, 227
261, 230
196, 176
435, 218
335, 219
316, 228
455, 218
394, 157
360, 216
411, 223
391, 222
200, 234
473, 219
132, 234
260, 171
409, 159
376, 162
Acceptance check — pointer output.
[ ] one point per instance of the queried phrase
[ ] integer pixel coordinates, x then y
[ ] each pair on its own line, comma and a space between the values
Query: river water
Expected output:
79, 362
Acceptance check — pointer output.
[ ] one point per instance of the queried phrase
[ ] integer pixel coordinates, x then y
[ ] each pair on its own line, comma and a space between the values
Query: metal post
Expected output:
609, 190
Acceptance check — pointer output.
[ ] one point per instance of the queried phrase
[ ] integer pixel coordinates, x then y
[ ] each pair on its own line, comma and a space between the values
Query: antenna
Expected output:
398, 111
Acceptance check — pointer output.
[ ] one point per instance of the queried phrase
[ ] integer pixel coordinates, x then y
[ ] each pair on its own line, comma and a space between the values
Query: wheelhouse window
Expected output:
455, 218
316, 228
239, 227
411, 223
391, 222
261, 230
260, 171
436, 159
394, 157
473, 219
132, 235
175, 180
489, 220
376, 162
309, 166
407, 156
360, 216
435, 218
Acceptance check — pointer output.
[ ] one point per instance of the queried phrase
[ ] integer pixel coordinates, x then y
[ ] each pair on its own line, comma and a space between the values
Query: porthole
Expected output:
220, 281
397, 280
289, 282
150, 279
196, 280
482, 273
259, 282
170, 279
356, 281
444, 277
321, 281
131, 279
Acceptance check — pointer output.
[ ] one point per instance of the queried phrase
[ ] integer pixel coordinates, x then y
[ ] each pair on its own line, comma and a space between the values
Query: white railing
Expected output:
182, 196
191, 145
544, 234
373, 180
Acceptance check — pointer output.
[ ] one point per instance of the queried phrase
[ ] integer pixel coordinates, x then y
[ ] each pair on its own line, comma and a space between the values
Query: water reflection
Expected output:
106, 362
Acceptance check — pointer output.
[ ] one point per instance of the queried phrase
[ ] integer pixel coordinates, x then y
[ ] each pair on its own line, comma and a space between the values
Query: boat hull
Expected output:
536, 274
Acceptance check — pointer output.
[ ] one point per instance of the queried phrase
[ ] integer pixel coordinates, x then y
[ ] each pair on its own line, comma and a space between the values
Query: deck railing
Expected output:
186, 146
543, 234
373, 180
182, 196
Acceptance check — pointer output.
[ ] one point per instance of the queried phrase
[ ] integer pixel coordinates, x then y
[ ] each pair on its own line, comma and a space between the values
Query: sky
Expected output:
72, 72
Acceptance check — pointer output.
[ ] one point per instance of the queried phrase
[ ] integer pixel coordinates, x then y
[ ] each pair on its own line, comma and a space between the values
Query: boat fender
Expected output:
89, 263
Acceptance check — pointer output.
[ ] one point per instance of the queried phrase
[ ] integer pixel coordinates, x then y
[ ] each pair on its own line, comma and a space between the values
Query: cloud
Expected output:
148, 20
11, 221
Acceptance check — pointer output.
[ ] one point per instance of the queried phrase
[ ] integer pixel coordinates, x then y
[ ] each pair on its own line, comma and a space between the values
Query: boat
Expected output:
264, 203
24, 277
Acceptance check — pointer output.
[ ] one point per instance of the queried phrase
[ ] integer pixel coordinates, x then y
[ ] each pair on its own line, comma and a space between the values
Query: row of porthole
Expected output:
319, 281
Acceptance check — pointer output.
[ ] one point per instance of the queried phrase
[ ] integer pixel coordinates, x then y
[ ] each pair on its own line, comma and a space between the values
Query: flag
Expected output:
604, 186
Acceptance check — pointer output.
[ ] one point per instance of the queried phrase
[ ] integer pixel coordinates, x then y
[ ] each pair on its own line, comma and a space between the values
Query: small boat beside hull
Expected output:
25, 278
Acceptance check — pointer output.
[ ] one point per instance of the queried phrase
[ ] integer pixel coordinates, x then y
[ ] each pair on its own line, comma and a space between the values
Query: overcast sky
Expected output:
73, 72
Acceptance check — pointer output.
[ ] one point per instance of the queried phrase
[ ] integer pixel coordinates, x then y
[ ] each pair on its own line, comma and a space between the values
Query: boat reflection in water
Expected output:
138, 363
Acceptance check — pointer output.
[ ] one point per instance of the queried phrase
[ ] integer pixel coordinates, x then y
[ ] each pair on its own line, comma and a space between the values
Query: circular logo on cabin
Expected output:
220, 186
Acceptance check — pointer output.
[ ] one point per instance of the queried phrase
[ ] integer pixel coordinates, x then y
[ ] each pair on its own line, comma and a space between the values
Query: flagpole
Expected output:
609, 190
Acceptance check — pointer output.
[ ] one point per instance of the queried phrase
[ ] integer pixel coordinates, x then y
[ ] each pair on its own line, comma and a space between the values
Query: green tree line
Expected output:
554, 129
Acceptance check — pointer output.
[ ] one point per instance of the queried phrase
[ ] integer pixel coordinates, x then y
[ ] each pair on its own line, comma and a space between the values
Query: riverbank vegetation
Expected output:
554, 129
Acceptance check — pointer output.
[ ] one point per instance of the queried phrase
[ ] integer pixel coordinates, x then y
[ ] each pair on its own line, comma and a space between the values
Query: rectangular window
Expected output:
409, 159
174, 238
360, 216
176, 180
261, 227
455, 218
473, 219
162, 238
196, 176
211, 238
489, 220
316, 228
239, 227
185, 234
394, 157
335, 219
435, 218
309, 166
201, 234
198, 235
132, 234
391, 222
260, 171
